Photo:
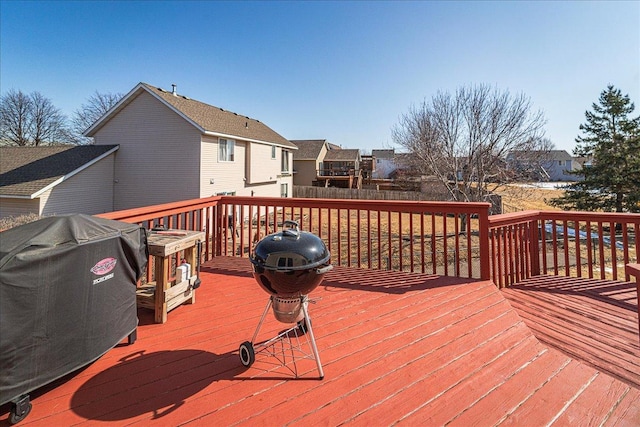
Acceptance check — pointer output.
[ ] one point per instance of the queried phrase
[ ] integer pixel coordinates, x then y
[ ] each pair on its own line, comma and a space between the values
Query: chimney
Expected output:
173, 91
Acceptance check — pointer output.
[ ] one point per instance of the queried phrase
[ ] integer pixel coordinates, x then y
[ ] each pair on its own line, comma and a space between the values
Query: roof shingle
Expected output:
26, 170
218, 120
308, 149
346, 154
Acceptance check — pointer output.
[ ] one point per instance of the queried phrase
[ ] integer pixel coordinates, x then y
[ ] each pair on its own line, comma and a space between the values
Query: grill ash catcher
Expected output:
288, 265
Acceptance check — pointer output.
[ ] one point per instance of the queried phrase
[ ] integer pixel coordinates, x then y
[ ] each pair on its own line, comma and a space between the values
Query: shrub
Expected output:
14, 221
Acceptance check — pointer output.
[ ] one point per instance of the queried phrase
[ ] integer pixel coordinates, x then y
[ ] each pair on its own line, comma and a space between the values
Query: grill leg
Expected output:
264, 314
312, 337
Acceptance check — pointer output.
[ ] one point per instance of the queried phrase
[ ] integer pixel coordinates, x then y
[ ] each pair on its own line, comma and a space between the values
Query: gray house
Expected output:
55, 180
552, 165
175, 148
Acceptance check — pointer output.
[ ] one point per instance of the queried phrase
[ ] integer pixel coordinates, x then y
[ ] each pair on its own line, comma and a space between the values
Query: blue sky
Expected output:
342, 71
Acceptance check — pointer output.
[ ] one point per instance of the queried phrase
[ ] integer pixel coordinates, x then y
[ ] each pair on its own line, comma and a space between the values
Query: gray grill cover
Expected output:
67, 296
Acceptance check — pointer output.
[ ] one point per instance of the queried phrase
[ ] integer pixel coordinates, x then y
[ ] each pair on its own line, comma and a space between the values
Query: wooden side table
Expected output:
163, 244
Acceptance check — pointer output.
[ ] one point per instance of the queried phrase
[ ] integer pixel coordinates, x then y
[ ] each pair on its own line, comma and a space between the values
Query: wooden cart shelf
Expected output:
162, 245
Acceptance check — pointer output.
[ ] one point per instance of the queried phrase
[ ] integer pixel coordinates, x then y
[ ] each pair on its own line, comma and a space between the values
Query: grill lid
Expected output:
290, 249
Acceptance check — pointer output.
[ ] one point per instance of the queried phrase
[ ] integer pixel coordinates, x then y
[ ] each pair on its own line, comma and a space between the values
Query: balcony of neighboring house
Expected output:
340, 168
434, 314
339, 175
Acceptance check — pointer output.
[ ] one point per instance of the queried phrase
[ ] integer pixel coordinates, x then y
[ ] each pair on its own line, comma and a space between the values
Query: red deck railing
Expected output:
448, 239
441, 238
577, 244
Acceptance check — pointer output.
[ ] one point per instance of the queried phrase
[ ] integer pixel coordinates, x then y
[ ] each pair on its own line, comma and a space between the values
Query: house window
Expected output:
284, 190
225, 150
273, 151
285, 161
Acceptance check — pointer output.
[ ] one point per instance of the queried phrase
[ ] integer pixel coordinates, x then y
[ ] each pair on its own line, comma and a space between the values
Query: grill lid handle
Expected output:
291, 228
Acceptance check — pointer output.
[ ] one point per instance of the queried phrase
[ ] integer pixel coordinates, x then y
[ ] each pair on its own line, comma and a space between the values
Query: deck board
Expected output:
413, 349
595, 321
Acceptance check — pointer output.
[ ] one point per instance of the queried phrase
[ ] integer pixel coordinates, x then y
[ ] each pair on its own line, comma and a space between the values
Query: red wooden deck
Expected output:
405, 348
593, 320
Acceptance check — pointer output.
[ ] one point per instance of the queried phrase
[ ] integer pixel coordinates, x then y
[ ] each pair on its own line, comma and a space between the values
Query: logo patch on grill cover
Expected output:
104, 266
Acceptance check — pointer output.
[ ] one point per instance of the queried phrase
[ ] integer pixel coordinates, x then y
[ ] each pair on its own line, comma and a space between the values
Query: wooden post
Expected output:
162, 284
634, 270
483, 235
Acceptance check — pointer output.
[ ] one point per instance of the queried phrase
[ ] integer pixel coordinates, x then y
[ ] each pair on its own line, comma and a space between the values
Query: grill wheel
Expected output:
247, 353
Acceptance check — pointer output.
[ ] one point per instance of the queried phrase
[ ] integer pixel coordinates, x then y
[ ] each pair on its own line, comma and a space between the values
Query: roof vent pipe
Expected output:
173, 91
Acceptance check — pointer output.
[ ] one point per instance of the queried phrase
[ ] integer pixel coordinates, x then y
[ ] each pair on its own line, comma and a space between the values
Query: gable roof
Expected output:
560, 155
26, 172
346, 154
308, 149
207, 118
383, 154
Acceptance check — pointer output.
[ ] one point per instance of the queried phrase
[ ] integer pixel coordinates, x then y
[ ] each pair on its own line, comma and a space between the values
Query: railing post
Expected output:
219, 234
534, 241
483, 235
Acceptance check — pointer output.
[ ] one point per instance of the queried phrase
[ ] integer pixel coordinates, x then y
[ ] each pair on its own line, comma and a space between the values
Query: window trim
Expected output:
274, 154
285, 155
227, 143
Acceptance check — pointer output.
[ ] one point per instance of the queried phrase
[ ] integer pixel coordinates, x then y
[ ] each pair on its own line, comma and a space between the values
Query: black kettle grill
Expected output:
288, 265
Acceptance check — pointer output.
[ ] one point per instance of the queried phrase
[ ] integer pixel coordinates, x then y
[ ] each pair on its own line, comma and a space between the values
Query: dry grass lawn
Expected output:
521, 198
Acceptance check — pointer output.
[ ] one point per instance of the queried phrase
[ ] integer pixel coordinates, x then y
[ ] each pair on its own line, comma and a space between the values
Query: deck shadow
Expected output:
158, 382
616, 293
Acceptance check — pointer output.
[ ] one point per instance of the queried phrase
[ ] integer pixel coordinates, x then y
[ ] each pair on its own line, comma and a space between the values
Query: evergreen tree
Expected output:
612, 140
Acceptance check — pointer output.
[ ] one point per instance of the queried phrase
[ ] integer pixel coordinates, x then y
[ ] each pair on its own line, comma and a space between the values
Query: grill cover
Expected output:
291, 262
67, 296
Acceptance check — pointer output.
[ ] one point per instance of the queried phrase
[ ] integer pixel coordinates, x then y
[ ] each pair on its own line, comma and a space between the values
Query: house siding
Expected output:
230, 176
159, 154
261, 168
226, 176
88, 192
305, 172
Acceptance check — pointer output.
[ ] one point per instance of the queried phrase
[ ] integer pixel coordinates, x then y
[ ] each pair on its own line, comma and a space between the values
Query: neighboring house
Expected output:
551, 165
56, 180
385, 163
307, 160
175, 148
341, 162
341, 168
367, 167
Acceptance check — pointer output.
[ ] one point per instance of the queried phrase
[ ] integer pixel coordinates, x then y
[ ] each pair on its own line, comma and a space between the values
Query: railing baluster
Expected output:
411, 268
467, 219
422, 242
400, 242
434, 246
601, 249
614, 254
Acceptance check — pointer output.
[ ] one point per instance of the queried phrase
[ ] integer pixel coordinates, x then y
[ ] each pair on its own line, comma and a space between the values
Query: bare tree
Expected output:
15, 111
31, 120
48, 124
463, 139
95, 107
